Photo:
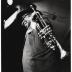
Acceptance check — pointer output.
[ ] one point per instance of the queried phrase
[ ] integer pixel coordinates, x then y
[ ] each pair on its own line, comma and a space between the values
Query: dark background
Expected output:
13, 37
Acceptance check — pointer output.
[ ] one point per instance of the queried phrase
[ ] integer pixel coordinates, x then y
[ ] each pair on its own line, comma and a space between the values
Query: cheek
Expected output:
33, 25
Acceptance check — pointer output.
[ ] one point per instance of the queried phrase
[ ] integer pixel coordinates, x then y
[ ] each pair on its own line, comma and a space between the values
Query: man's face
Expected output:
27, 21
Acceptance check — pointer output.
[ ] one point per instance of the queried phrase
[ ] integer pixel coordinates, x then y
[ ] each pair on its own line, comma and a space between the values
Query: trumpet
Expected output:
45, 31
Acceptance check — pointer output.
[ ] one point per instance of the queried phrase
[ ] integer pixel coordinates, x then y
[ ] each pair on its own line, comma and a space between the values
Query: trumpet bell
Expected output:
64, 54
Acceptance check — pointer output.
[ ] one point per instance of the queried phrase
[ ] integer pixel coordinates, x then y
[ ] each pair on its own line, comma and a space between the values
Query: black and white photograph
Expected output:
35, 35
